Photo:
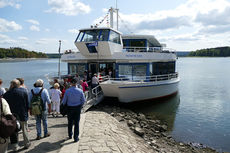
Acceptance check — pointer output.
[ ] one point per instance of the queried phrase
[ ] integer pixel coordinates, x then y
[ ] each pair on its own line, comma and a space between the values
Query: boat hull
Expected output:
128, 92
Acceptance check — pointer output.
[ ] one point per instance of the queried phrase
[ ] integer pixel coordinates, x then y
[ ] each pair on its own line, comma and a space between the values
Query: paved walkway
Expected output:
101, 133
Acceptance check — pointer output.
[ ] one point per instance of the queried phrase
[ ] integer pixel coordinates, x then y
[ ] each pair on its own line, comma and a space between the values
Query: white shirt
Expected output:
55, 95
95, 80
2, 91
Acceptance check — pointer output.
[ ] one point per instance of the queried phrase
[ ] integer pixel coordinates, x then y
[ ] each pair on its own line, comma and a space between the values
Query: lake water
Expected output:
30, 71
199, 113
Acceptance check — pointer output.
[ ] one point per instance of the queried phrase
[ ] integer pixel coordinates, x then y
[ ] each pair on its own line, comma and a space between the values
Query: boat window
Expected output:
151, 68
138, 43
139, 72
91, 35
77, 69
104, 36
79, 36
125, 71
72, 69
114, 37
160, 68
135, 45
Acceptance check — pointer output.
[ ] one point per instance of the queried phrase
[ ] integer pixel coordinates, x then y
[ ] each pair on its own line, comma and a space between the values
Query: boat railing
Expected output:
96, 91
152, 78
54, 75
148, 49
70, 51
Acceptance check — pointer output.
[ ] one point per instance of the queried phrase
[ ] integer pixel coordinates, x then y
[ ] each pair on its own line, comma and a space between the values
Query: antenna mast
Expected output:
111, 17
59, 51
111, 10
117, 14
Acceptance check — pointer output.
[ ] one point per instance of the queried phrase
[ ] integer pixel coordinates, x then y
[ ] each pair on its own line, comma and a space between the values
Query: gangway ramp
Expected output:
95, 96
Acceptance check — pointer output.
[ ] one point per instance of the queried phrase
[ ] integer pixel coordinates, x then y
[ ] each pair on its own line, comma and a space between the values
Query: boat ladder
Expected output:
93, 97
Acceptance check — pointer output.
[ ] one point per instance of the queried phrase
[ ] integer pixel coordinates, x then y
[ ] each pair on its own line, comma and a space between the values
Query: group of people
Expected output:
19, 102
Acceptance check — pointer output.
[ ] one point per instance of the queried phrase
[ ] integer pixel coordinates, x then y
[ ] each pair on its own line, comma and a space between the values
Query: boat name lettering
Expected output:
133, 55
93, 44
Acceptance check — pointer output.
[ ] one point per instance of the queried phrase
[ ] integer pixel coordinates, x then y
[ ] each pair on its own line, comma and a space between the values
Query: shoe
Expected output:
53, 115
76, 140
27, 146
38, 138
16, 147
47, 135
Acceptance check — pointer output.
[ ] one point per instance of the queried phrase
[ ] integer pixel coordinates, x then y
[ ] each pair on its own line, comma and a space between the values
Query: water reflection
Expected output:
163, 109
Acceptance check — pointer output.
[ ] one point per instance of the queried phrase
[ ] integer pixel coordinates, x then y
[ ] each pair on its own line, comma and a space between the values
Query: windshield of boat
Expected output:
98, 35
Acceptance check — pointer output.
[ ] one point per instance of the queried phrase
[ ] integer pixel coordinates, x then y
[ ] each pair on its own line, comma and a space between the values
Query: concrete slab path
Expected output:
101, 133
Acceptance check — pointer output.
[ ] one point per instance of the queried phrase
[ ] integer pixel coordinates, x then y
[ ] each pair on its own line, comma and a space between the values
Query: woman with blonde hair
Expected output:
55, 94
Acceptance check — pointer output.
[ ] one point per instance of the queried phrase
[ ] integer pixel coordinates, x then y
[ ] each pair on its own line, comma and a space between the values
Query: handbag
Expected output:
18, 125
7, 123
63, 109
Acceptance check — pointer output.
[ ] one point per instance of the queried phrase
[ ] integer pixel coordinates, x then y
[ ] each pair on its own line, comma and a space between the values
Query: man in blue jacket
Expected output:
38, 86
17, 99
74, 98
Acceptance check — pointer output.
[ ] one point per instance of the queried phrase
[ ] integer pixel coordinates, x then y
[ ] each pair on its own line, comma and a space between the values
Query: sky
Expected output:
183, 25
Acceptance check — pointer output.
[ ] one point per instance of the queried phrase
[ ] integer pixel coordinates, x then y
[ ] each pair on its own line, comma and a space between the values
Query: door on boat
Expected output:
103, 68
93, 68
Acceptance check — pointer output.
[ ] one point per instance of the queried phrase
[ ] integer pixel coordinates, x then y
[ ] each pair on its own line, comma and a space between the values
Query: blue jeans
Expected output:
73, 116
43, 118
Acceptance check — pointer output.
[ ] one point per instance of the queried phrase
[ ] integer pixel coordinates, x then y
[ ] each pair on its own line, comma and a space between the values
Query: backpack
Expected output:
36, 105
8, 123
86, 88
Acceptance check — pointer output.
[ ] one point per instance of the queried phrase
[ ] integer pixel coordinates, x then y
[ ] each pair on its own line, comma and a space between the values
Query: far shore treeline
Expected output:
212, 52
16, 52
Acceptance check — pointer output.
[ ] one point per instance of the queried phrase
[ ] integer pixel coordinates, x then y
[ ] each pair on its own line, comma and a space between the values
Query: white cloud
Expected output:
23, 38
189, 26
12, 3
34, 28
8, 26
46, 41
214, 17
68, 7
6, 42
189, 14
215, 29
166, 23
47, 30
33, 21
74, 31
186, 37
4, 39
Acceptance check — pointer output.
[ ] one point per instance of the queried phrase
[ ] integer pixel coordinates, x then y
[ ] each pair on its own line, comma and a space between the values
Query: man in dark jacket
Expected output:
17, 99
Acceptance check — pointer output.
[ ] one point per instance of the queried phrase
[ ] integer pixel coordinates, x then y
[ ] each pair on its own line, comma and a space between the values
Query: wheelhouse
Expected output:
99, 41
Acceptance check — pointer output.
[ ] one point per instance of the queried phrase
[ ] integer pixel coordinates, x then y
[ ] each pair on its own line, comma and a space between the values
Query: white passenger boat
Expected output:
138, 66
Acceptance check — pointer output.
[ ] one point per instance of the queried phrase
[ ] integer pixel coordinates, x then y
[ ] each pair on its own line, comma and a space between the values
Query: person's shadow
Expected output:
43, 147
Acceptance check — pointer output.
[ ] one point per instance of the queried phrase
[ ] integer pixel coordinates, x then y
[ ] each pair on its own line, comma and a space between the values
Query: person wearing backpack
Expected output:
17, 99
39, 106
5, 110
